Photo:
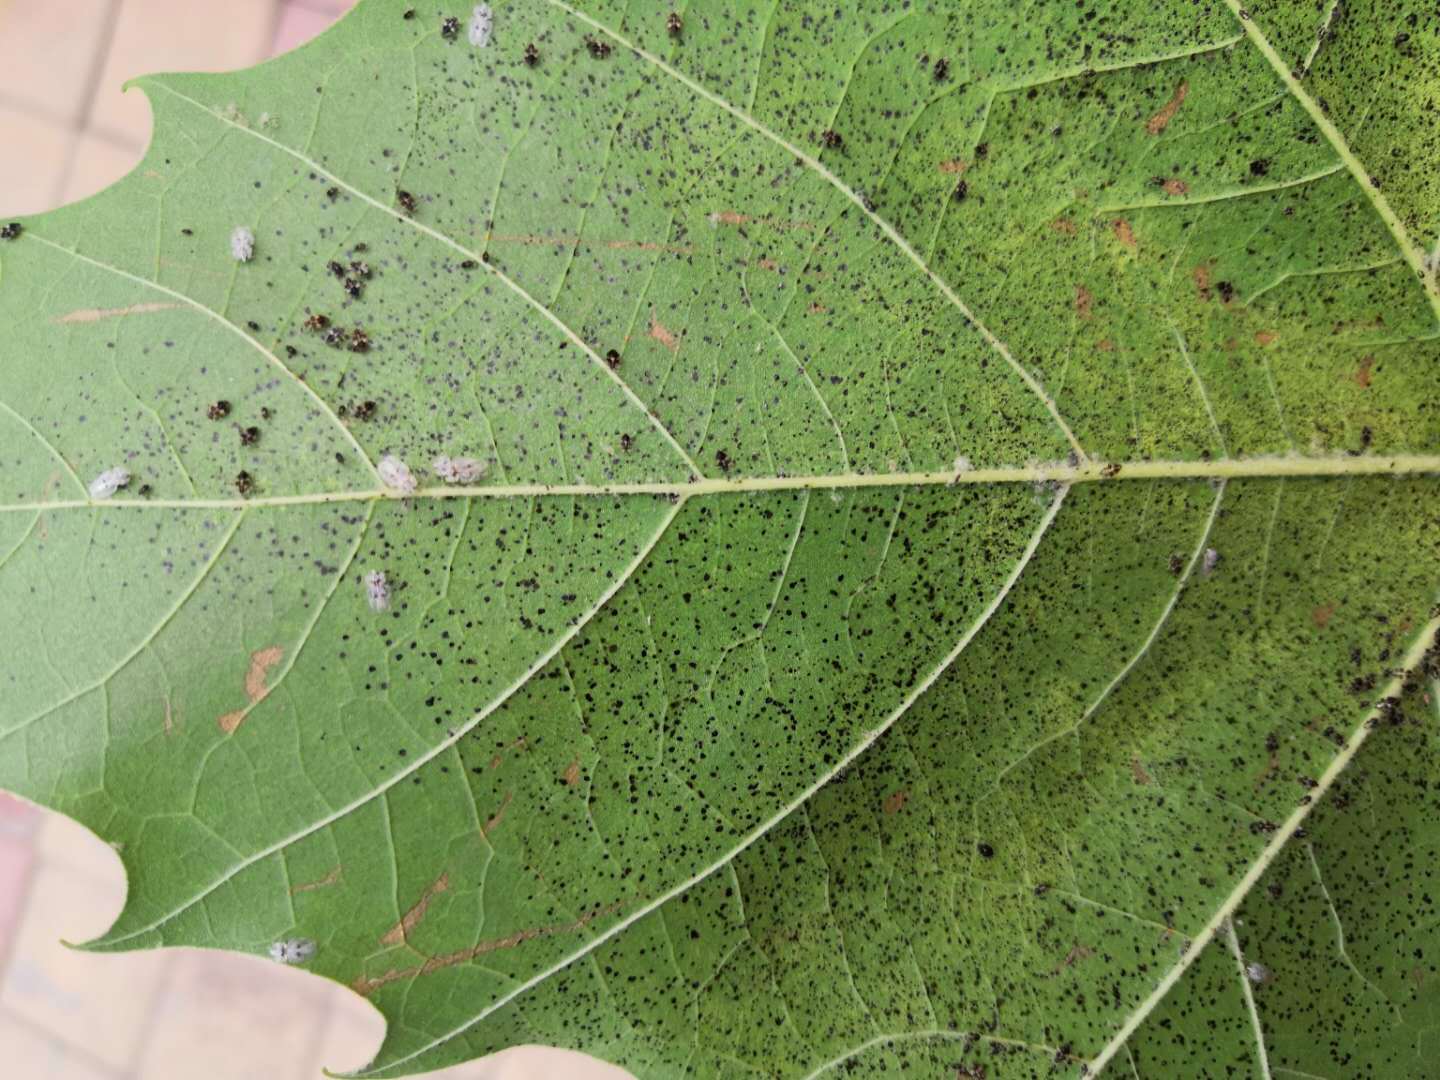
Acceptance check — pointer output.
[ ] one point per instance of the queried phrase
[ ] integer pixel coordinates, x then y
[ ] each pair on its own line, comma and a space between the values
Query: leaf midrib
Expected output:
1260, 467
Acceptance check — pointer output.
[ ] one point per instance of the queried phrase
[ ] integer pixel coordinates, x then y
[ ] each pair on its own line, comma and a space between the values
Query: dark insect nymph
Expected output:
613, 359
598, 49
831, 139
674, 23
11, 231
532, 55
354, 287
244, 482
249, 436
450, 28
336, 269
942, 69
317, 322
218, 410
359, 341
406, 201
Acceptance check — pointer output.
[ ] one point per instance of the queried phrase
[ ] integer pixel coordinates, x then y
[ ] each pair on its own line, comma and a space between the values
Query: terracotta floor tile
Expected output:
174, 35
34, 1055
47, 48
97, 164
104, 998
33, 164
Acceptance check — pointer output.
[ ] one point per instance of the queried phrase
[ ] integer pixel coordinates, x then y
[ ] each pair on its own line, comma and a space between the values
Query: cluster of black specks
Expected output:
450, 28
598, 48
11, 231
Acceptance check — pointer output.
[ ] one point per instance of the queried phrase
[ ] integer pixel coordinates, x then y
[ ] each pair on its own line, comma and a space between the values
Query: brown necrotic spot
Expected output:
256, 685
398, 933
1161, 120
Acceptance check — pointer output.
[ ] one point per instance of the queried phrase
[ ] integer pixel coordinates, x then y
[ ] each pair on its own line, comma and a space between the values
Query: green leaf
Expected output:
949, 472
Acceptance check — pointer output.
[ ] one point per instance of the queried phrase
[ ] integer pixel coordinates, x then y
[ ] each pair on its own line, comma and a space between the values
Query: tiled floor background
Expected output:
66, 131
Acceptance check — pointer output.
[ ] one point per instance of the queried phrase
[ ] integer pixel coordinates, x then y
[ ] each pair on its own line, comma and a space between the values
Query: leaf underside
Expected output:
958, 480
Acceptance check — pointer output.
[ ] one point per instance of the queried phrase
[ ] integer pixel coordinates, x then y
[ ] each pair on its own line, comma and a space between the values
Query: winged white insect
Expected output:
109, 482
242, 244
292, 950
460, 470
482, 25
396, 475
377, 590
